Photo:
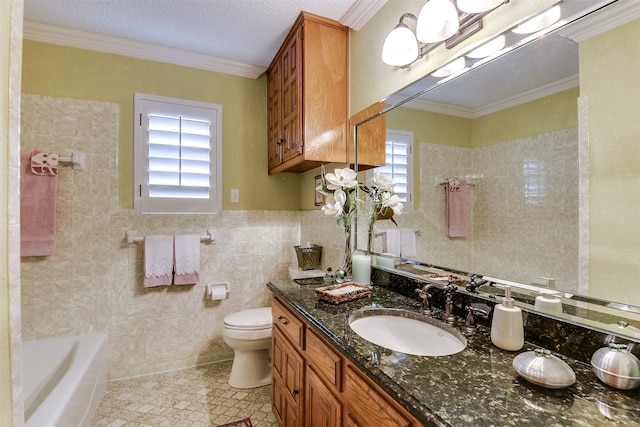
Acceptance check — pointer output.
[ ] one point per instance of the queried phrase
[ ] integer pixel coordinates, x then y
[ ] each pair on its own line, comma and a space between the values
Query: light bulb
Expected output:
450, 68
438, 20
400, 47
539, 22
488, 48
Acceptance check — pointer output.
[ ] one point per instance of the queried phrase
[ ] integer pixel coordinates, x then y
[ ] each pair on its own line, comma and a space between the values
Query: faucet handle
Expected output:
470, 321
424, 294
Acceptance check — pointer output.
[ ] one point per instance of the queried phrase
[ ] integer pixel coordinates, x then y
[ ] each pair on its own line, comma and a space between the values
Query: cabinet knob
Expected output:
283, 320
279, 141
294, 392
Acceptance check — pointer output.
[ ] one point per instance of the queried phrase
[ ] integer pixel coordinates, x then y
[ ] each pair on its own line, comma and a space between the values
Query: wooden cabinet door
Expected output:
291, 63
274, 115
366, 406
322, 409
288, 381
372, 138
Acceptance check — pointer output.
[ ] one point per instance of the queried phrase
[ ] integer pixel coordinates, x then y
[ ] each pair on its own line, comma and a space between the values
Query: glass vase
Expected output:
347, 260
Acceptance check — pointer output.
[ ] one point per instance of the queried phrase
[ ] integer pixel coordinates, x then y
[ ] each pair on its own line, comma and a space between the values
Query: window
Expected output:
399, 165
178, 155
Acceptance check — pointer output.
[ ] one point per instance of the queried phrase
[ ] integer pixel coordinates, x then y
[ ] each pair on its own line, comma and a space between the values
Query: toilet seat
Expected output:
255, 319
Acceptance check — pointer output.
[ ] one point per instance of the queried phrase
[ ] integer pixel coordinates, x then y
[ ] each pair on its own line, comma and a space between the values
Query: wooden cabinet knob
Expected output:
283, 320
294, 392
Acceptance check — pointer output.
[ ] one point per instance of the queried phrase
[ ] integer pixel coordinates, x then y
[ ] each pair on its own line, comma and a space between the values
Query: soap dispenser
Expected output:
507, 331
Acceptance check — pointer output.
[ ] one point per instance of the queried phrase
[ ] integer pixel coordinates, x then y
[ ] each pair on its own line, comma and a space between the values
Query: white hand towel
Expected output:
158, 261
408, 243
392, 242
187, 259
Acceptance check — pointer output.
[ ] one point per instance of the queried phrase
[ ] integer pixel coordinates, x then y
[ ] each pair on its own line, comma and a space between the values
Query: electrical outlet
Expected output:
235, 195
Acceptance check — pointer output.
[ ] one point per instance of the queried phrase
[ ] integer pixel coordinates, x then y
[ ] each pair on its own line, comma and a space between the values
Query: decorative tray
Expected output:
342, 292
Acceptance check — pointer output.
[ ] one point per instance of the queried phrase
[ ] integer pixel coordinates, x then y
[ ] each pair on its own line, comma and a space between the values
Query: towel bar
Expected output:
77, 159
132, 238
381, 233
471, 179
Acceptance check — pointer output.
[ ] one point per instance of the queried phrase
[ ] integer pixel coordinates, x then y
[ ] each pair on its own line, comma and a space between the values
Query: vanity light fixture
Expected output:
437, 21
401, 46
489, 48
451, 68
539, 22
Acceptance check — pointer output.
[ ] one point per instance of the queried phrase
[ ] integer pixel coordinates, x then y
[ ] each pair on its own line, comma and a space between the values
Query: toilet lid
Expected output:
255, 318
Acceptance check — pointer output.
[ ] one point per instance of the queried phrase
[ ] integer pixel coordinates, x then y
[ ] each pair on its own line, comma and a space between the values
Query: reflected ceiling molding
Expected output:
474, 113
541, 92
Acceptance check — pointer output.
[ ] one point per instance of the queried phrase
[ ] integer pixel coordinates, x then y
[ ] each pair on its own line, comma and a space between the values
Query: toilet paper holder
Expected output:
217, 291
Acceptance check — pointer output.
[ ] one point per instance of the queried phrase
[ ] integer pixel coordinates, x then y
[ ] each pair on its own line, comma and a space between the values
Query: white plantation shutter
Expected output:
399, 164
178, 156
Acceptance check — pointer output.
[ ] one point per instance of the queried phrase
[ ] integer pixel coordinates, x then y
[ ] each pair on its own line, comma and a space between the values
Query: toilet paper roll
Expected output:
218, 291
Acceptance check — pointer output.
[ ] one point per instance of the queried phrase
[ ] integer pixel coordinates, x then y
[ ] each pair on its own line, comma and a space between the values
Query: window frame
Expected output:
144, 104
407, 137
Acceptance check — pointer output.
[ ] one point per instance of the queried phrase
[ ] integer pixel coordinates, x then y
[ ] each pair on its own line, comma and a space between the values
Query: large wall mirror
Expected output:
540, 134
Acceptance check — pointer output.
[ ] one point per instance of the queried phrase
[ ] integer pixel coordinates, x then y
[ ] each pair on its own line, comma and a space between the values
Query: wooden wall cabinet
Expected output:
372, 138
315, 386
307, 96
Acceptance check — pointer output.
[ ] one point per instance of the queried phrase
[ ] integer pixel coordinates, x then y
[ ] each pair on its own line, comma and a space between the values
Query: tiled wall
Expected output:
93, 283
523, 212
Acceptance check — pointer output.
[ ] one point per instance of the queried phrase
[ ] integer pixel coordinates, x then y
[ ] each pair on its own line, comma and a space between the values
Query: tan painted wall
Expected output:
82, 74
609, 69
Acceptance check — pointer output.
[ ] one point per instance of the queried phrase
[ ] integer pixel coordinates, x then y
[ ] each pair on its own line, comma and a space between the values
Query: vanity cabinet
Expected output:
313, 385
307, 96
287, 388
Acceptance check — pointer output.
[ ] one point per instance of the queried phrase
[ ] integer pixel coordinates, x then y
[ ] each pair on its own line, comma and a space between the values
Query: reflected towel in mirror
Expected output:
456, 207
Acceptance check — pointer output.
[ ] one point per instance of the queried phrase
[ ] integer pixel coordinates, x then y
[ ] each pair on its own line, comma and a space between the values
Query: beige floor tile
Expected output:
195, 397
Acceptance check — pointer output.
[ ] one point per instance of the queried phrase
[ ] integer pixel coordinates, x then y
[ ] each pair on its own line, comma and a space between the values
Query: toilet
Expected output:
248, 333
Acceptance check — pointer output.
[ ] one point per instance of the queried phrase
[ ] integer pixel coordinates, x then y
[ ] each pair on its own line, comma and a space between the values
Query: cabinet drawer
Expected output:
288, 324
324, 360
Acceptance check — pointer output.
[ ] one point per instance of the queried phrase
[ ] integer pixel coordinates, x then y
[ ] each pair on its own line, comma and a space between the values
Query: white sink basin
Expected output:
407, 332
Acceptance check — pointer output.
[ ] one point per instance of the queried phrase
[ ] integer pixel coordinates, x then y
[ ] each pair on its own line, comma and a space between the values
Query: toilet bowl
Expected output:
248, 333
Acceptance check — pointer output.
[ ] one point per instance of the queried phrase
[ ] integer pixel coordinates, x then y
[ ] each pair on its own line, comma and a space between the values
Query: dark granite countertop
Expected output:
476, 387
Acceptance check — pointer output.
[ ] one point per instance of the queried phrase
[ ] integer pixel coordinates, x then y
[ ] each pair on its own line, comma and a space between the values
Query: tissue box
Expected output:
308, 257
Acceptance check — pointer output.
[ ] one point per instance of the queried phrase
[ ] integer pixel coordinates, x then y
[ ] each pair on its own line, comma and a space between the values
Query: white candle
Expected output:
362, 269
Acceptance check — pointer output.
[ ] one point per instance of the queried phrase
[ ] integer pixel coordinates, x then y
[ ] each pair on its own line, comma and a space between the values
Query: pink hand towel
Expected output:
186, 259
38, 195
158, 261
392, 242
456, 208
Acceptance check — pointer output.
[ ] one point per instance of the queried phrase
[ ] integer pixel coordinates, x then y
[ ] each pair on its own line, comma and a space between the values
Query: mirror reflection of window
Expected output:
399, 161
535, 181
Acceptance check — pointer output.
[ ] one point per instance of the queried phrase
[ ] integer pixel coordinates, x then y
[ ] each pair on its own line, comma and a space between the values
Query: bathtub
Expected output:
64, 379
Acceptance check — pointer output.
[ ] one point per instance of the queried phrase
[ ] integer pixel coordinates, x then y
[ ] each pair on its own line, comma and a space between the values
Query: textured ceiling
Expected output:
244, 31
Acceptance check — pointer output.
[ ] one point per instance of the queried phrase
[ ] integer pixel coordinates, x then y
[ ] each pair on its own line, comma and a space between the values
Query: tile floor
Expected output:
194, 397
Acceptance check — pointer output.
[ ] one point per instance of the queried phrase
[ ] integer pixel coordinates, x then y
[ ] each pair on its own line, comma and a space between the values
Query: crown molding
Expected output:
361, 12
619, 13
53, 34
474, 113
